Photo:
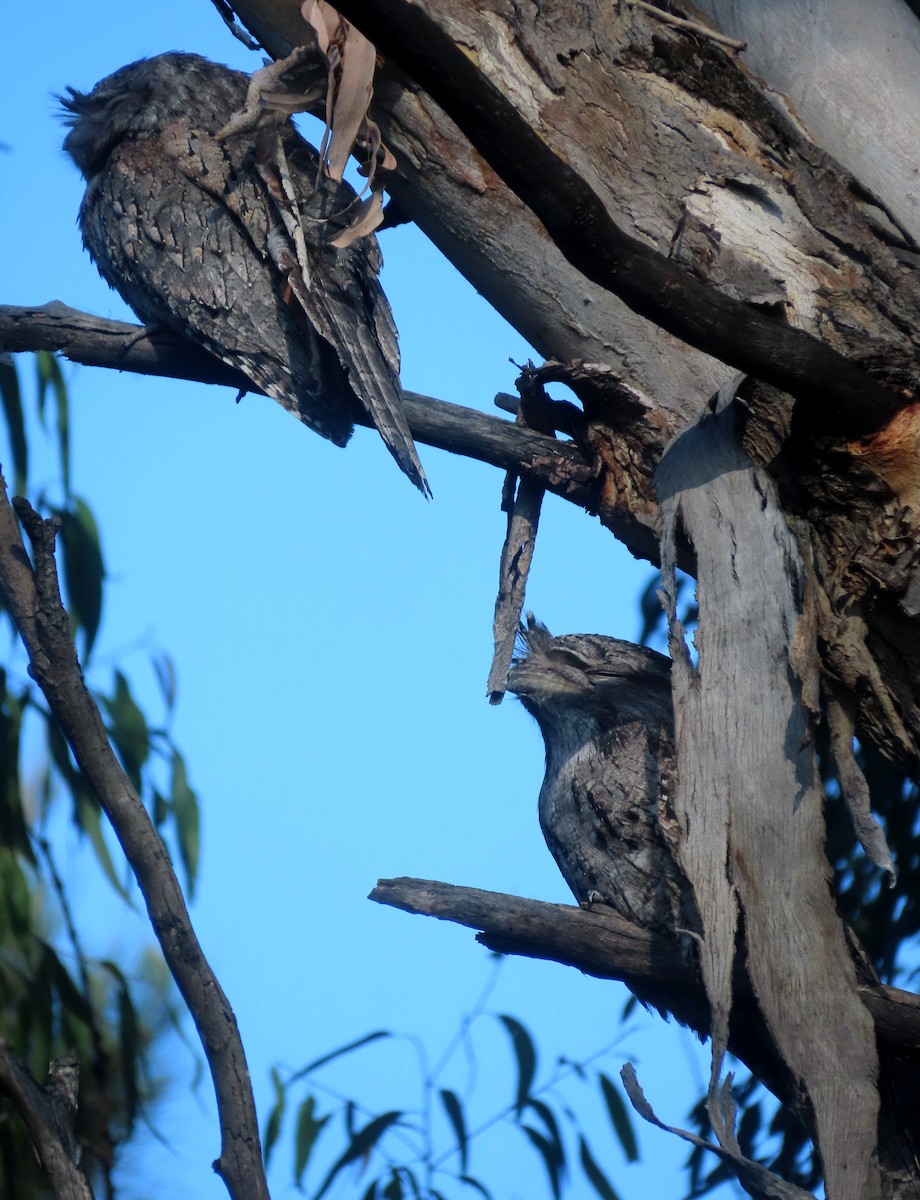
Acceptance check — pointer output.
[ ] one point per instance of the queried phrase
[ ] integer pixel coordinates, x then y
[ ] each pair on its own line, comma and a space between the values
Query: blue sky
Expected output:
332, 634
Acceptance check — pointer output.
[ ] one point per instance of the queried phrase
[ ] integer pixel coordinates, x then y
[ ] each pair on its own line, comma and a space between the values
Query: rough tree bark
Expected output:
657, 212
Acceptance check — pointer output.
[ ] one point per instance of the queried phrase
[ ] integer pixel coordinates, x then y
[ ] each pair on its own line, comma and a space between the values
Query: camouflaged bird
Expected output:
182, 224
604, 709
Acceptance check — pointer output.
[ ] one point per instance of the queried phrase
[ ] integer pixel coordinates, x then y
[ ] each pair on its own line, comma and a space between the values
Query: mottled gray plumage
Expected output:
604, 709
179, 223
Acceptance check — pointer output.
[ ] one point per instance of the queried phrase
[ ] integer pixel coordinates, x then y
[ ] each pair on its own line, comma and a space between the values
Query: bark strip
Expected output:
749, 799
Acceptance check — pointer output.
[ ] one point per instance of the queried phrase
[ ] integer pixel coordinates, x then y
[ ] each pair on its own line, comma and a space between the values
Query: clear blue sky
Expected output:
332, 634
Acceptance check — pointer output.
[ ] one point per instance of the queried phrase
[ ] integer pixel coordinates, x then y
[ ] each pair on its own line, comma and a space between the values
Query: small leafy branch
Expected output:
424, 1153
57, 998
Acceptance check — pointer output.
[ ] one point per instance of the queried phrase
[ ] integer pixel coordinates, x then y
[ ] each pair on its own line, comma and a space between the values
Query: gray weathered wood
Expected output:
748, 797
848, 70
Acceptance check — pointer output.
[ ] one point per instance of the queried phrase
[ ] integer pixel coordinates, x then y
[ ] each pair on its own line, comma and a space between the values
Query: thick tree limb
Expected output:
49, 1113
680, 142
691, 158
599, 942
579, 223
32, 596
116, 345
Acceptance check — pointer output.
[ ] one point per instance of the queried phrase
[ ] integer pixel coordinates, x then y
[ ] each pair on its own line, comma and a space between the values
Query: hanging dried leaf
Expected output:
367, 216
314, 13
354, 89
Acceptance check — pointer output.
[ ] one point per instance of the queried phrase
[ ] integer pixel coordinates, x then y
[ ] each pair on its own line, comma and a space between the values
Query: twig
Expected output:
691, 26
33, 599
117, 345
228, 18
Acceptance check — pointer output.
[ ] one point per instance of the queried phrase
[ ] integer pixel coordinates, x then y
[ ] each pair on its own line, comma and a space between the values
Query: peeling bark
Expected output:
749, 799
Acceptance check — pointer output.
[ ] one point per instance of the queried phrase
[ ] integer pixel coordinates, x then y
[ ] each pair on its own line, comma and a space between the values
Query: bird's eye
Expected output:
569, 658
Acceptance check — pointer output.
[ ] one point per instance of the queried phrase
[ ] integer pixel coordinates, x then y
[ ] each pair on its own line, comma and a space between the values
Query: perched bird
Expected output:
604, 709
187, 227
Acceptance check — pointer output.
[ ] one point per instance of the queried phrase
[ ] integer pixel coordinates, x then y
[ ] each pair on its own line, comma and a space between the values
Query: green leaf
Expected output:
48, 372
548, 1117
273, 1125
553, 1160
361, 1144
406, 1174
526, 1055
749, 1128
11, 399
159, 807
130, 1041
165, 672
16, 910
326, 1058
128, 729
84, 569
307, 1131
596, 1176
184, 803
454, 1110
474, 1183
69, 995
629, 1008
89, 820
650, 607
619, 1117
394, 1189
576, 1068
87, 814
13, 821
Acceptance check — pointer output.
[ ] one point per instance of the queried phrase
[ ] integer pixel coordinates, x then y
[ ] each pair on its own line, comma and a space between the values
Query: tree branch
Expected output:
32, 596
599, 942
48, 1113
559, 466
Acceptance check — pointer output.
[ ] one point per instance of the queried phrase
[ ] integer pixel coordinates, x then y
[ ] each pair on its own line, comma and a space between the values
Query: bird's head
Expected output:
586, 682
138, 100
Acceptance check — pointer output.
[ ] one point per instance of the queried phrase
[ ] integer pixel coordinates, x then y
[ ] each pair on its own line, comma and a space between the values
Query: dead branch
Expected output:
691, 26
599, 942
32, 596
559, 466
